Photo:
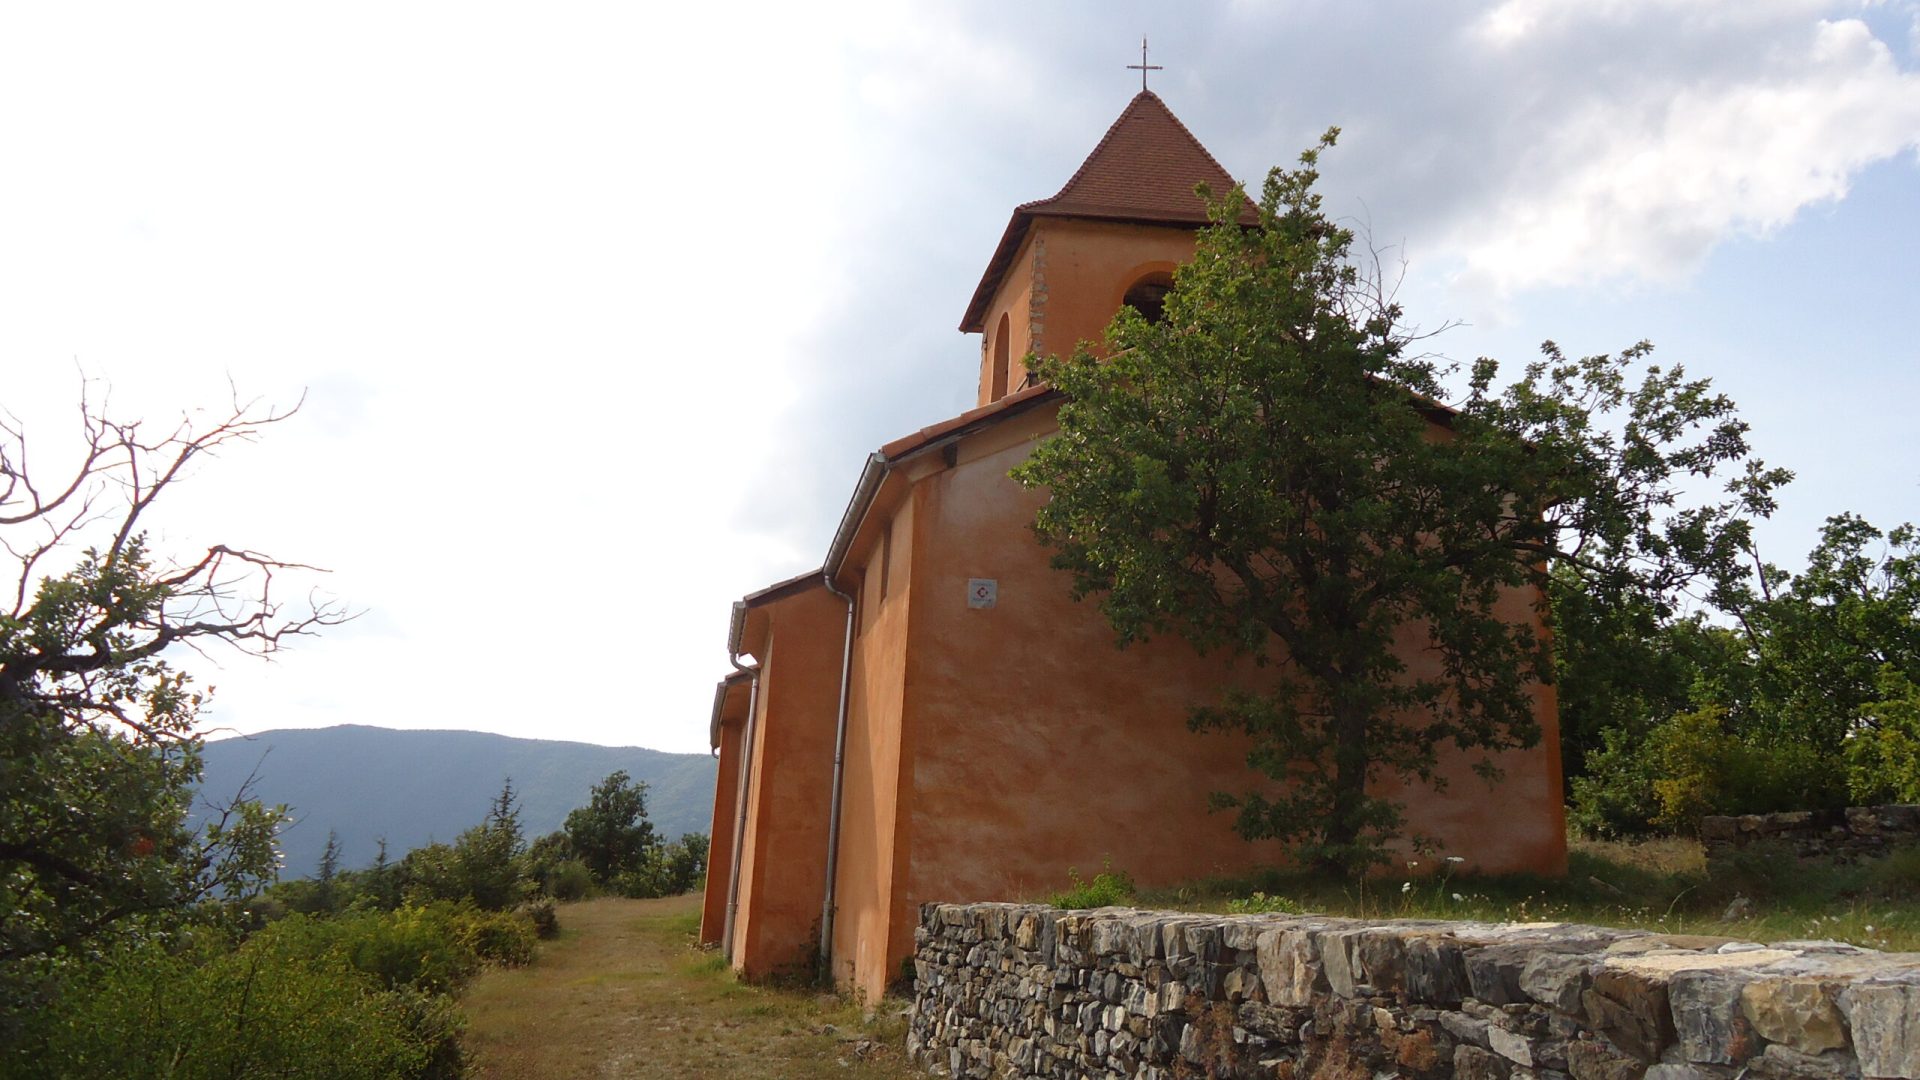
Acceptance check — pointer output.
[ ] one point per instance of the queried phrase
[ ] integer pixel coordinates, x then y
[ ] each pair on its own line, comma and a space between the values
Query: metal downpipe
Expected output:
839, 768
871, 475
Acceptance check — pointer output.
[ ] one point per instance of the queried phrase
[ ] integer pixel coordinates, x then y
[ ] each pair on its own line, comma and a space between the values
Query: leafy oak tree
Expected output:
1798, 695
98, 753
1268, 469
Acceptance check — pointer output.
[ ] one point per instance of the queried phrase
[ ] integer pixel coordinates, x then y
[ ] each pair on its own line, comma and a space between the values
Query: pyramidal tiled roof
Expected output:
1143, 169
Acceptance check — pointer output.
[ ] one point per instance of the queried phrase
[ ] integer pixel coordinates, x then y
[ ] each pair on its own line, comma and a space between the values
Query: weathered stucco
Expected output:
992, 749
726, 795
783, 853
1066, 282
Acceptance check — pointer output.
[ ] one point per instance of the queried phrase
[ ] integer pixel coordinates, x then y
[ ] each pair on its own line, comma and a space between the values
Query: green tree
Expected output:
1823, 638
379, 885
326, 876
1626, 664
485, 866
1267, 469
1883, 757
611, 834
668, 869
489, 855
98, 753
554, 870
1793, 698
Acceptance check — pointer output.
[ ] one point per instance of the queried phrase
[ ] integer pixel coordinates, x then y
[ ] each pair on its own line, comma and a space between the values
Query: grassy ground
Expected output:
623, 993
1661, 885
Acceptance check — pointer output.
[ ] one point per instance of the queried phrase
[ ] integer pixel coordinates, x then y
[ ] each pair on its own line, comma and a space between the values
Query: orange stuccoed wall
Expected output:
726, 793
1063, 286
992, 749
873, 866
783, 852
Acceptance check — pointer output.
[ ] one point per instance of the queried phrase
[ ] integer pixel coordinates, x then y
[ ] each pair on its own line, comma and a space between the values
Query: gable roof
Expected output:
1143, 170
970, 421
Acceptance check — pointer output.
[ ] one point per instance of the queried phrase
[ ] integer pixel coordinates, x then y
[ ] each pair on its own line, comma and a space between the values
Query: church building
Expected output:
930, 716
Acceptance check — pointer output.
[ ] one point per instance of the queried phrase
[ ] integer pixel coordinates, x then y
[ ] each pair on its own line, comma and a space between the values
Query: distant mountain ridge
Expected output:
413, 787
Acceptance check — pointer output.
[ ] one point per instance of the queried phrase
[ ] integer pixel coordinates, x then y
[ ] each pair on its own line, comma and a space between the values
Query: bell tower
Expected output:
1111, 236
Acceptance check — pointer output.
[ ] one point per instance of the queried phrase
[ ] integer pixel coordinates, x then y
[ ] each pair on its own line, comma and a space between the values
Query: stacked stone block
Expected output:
1841, 836
1009, 990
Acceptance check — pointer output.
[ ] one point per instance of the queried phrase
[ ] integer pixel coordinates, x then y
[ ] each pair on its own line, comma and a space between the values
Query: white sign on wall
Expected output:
982, 592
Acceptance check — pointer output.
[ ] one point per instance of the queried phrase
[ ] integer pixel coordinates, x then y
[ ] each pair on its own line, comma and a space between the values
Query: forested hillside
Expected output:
412, 787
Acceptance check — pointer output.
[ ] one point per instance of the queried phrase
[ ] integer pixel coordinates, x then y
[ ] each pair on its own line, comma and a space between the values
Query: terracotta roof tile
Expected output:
780, 590
1144, 169
984, 415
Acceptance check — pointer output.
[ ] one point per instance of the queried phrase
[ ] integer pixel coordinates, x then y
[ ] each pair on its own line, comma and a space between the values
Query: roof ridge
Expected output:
1191, 137
1133, 106
1144, 170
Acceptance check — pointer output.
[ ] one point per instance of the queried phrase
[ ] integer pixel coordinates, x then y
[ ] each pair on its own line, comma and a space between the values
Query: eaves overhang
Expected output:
721, 693
927, 440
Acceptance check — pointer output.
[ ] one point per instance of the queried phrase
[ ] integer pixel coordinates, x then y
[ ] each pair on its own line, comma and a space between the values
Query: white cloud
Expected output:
599, 306
1640, 175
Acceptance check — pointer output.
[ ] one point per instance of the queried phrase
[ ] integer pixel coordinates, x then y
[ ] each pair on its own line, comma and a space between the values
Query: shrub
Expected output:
419, 947
1109, 888
1883, 756
541, 914
1691, 765
437, 1027
1615, 798
273, 1006
1262, 904
496, 937
1898, 873
569, 880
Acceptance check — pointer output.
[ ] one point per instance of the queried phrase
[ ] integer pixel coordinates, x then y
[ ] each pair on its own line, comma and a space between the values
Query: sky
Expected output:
597, 308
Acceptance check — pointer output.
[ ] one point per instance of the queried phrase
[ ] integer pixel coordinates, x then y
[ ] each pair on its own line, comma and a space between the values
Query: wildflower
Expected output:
1459, 899
1411, 863
1406, 886
1456, 858
1869, 928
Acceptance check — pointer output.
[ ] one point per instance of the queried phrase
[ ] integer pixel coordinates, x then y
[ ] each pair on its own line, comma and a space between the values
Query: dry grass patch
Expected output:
623, 993
1663, 885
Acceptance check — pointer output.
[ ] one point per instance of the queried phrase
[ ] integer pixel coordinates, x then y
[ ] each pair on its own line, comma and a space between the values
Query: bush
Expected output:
496, 937
545, 922
1898, 873
569, 880
1262, 904
1883, 757
1615, 799
1770, 871
1690, 766
417, 947
1109, 888
273, 1005
437, 1027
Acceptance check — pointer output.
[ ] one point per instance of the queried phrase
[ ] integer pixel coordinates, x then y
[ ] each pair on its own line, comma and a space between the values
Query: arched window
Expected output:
1148, 296
1002, 362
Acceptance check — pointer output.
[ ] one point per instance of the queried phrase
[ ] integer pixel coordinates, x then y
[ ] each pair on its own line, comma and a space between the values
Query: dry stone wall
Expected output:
1828, 835
1005, 990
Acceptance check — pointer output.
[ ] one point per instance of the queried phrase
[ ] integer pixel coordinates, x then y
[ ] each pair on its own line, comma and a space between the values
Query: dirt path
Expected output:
622, 993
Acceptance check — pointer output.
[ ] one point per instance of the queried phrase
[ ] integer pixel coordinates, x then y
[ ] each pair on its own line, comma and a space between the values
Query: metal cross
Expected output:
1143, 67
